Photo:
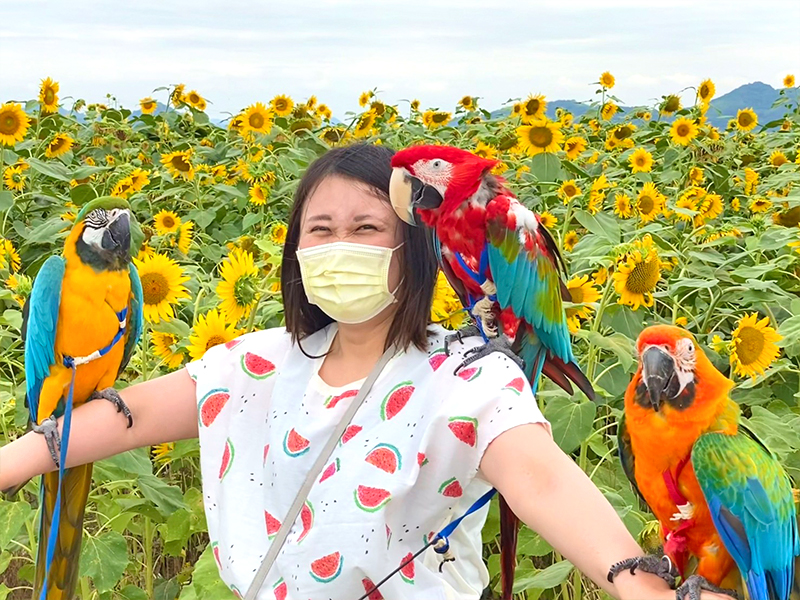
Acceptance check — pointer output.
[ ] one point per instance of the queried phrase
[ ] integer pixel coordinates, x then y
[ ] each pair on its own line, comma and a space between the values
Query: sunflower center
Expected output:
541, 137
439, 117
682, 130
570, 190
155, 288
9, 124
643, 277
623, 132
751, 343
167, 222
215, 340
181, 164
532, 106
646, 205
745, 119
576, 294
57, 144
256, 120
640, 161
672, 104
571, 146
704, 91
280, 104
49, 96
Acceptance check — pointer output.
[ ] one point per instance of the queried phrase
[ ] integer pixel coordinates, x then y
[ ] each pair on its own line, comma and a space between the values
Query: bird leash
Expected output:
440, 543
71, 363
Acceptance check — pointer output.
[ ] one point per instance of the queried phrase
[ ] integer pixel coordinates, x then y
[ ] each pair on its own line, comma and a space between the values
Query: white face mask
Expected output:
349, 282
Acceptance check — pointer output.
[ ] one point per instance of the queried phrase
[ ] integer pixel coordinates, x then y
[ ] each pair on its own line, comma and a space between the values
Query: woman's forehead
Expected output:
344, 199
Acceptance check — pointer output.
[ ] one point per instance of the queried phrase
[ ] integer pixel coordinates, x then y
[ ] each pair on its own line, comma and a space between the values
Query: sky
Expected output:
236, 52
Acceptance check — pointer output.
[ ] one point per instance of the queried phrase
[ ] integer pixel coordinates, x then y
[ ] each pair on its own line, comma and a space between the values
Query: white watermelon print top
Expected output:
405, 467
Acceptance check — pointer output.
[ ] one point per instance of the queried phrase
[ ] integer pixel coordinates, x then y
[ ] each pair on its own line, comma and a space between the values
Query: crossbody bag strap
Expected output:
313, 473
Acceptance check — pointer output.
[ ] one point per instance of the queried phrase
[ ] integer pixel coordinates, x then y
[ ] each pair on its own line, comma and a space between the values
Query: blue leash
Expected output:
72, 364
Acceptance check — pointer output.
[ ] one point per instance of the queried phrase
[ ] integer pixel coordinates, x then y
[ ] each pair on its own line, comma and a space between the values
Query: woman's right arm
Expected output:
163, 409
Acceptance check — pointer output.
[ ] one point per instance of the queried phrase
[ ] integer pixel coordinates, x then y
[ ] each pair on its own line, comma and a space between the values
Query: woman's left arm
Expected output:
554, 497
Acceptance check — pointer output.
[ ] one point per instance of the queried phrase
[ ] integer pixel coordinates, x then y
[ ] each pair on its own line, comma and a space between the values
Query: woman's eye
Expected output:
319, 228
368, 227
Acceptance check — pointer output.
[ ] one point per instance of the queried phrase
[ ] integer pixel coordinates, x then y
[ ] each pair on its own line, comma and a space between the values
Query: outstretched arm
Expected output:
554, 497
164, 409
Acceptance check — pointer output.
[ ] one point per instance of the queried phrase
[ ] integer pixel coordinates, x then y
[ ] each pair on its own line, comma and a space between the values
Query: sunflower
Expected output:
689, 201
778, 158
581, 291
609, 110
637, 274
574, 146
746, 119
533, 109
671, 104
179, 164
568, 190
750, 181
238, 288
622, 206
277, 233
195, 100
60, 144
148, 105
162, 284
282, 105
185, 236
165, 346
683, 131
167, 222
696, 175
600, 276
760, 205
710, 207
788, 81
436, 119
706, 91
209, 331
258, 194
570, 239
364, 125
548, 219
446, 308
486, 151
753, 346
364, 98
48, 96
123, 188
641, 161
176, 97
9, 255
607, 80
467, 102
14, 178
324, 112
377, 107
256, 118
540, 136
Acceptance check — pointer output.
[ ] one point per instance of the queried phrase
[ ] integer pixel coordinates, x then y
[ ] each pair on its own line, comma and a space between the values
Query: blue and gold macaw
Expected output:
503, 264
81, 325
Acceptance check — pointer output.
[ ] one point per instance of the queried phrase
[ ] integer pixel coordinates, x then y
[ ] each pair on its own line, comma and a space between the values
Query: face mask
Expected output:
349, 282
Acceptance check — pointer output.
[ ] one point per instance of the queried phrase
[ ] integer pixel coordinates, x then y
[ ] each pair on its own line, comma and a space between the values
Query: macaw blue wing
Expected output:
40, 329
135, 318
750, 499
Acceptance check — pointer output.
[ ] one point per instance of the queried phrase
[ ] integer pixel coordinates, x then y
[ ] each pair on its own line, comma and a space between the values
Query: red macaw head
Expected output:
674, 370
434, 180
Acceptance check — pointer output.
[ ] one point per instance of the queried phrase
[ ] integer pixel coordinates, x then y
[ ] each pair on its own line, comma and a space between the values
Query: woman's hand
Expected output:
554, 497
163, 409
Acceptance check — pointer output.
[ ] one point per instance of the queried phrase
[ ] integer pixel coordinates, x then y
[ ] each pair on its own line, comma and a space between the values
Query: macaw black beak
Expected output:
117, 236
407, 193
658, 368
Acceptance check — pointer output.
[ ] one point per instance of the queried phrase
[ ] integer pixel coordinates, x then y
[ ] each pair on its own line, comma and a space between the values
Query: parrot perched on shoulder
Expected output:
720, 495
85, 309
503, 264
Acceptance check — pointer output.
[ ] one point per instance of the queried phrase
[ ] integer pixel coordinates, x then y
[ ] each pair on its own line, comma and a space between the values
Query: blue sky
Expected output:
236, 53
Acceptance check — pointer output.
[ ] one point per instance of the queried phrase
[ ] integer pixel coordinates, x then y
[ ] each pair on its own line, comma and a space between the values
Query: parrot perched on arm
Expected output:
503, 264
85, 310
720, 495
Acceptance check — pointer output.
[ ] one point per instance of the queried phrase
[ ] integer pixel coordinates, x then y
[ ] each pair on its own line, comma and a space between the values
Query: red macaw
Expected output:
720, 495
503, 264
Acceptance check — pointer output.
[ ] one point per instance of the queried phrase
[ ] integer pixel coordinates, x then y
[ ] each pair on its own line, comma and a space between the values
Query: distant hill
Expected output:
758, 96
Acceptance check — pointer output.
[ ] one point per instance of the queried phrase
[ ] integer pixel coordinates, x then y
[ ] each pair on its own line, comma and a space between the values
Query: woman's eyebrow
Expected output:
319, 218
364, 217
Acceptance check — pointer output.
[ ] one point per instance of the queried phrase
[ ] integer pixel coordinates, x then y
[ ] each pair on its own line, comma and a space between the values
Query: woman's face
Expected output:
343, 210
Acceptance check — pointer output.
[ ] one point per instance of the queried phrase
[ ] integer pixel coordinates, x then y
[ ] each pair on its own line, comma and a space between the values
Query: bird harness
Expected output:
677, 542
480, 277
72, 363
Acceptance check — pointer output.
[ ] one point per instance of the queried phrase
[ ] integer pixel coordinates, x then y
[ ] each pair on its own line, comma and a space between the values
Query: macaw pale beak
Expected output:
658, 367
407, 193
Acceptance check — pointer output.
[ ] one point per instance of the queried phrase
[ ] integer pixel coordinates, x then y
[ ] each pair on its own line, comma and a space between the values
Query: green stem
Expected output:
148, 557
564, 587
592, 353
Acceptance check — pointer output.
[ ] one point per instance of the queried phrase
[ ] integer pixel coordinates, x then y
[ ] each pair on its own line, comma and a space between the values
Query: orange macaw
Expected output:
720, 495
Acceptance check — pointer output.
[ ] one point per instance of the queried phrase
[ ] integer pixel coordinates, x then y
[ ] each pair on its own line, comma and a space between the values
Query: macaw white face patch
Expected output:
96, 222
435, 172
685, 361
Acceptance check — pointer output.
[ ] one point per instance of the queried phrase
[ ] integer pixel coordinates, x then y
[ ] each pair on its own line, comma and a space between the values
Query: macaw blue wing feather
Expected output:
135, 317
40, 334
750, 499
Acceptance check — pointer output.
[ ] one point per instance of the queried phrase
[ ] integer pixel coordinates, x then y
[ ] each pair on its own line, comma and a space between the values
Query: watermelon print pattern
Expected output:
465, 429
233, 343
294, 444
215, 552
350, 433
386, 457
470, 373
327, 568
330, 470
332, 401
407, 572
236, 591
227, 459
369, 587
266, 451
256, 366
422, 460
436, 359
211, 405
515, 385
370, 499
307, 519
280, 589
396, 400
451, 488
273, 525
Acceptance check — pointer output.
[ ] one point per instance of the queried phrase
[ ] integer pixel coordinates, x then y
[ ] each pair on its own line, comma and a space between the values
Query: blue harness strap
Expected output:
72, 364
447, 531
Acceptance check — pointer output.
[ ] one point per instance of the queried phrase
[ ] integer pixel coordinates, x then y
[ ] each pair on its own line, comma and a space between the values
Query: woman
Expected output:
423, 446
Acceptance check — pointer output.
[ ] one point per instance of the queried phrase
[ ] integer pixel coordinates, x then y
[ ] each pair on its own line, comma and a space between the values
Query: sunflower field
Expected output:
660, 216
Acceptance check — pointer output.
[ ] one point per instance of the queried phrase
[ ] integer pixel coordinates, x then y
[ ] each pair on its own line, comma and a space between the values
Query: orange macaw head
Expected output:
674, 371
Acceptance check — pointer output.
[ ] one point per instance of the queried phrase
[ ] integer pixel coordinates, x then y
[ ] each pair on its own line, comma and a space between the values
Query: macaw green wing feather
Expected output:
626, 457
524, 266
40, 329
135, 317
750, 499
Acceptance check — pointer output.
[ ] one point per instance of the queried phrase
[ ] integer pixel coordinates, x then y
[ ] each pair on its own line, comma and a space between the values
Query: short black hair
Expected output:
371, 166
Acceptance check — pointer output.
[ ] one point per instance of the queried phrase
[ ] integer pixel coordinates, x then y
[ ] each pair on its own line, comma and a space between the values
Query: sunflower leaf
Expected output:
50, 169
